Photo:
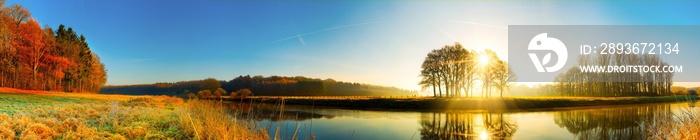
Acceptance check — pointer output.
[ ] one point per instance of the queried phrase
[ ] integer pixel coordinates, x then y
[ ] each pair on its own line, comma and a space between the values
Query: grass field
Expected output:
52, 115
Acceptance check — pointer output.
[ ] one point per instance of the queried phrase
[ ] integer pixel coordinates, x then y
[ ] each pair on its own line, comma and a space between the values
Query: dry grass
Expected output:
204, 119
55, 116
51, 115
682, 125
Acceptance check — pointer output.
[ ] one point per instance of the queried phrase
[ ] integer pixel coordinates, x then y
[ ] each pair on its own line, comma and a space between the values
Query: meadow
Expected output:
56, 115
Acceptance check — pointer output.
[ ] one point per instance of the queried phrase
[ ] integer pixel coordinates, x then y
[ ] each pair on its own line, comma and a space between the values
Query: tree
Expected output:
429, 73
454, 69
31, 47
210, 84
503, 76
244, 93
204, 94
447, 67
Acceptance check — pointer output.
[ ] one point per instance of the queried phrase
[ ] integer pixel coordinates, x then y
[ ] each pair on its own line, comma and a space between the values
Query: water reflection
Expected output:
466, 126
617, 123
613, 122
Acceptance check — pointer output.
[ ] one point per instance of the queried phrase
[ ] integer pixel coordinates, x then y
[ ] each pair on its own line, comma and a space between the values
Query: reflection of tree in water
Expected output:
614, 123
498, 127
465, 126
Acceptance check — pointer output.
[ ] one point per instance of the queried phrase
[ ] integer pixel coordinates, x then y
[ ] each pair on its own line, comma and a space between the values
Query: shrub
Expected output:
244, 93
219, 92
234, 94
204, 94
191, 96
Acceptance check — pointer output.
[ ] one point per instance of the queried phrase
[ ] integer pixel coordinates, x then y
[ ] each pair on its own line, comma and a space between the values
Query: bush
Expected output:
244, 93
204, 93
692, 92
219, 92
191, 96
233, 94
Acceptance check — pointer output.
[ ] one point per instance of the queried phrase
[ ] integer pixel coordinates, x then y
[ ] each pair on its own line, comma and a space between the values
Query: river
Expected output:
609, 122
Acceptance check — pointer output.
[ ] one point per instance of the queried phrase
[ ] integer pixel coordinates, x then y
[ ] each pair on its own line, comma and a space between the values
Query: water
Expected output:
612, 122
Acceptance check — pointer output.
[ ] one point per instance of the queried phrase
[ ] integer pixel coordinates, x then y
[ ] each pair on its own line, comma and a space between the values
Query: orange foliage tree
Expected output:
44, 59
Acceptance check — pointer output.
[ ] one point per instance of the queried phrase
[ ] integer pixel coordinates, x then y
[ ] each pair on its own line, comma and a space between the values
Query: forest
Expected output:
36, 58
265, 86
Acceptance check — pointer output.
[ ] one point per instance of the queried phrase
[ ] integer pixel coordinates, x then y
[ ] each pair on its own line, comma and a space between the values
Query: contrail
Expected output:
323, 30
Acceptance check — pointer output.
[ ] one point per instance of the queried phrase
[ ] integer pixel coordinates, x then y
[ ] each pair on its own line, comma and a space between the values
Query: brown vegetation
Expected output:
205, 119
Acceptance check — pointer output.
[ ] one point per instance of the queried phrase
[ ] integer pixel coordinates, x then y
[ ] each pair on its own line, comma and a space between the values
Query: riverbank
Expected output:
490, 104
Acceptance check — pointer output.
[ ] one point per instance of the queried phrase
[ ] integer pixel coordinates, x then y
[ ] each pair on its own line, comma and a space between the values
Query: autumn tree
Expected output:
210, 84
36, 58
31, 47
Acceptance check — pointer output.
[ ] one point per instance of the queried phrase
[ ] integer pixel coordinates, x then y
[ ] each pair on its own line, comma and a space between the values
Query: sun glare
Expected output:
484, 135
483, 60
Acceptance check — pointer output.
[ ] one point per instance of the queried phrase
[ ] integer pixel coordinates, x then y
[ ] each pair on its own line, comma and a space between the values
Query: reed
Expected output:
684, 124
205, 119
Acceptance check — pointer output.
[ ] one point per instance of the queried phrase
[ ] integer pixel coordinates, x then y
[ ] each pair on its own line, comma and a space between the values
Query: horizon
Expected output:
378, 43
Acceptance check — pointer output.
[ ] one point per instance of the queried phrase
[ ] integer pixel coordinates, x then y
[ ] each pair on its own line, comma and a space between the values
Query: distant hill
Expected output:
265, 86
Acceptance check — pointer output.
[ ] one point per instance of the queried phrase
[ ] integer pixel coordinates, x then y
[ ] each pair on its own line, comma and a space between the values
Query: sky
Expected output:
374, 42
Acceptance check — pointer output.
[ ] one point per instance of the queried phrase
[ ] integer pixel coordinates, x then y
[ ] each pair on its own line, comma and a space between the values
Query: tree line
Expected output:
576, 83
265, 86
36, 58
453, 71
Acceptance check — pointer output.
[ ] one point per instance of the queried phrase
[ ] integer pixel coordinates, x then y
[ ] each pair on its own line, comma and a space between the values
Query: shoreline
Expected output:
469, 104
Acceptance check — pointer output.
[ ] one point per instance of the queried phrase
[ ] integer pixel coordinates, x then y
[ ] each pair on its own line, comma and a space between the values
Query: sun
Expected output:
483, 135
483, 60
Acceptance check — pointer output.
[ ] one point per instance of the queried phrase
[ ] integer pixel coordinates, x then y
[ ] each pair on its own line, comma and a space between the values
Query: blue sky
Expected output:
382, 42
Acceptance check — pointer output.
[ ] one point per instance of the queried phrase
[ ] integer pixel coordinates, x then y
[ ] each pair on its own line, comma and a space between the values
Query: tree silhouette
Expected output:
454, 69
450, 68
